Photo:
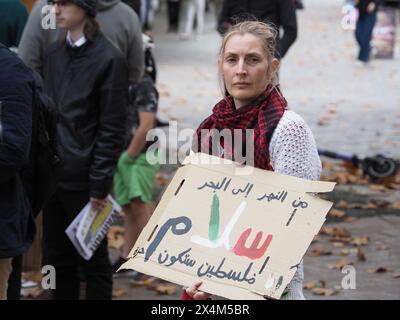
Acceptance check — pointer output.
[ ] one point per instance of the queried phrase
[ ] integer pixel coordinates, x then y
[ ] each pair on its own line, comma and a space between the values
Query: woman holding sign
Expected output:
282, 140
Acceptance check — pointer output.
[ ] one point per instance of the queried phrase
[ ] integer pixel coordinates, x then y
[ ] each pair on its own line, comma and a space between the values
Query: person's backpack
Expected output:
41, 175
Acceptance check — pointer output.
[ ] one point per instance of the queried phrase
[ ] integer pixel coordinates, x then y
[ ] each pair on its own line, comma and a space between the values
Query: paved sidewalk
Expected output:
348, 109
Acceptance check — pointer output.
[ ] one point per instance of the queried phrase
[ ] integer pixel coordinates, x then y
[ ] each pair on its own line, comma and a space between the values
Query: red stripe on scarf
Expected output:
262, 116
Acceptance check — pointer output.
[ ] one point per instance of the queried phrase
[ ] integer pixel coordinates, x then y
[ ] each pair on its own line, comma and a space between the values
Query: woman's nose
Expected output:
241, 68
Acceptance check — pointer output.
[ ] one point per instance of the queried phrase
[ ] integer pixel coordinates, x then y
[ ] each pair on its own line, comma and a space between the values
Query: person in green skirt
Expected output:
135, 175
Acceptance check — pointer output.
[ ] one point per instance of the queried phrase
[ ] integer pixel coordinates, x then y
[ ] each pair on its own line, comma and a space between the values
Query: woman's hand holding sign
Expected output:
194, 292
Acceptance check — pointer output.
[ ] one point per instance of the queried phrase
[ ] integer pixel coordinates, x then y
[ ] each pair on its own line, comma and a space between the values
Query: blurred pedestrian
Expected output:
147, 15
367, 10
281, 13
87, 77
13, 17
194, 8
118, 22
174, 8
17, 226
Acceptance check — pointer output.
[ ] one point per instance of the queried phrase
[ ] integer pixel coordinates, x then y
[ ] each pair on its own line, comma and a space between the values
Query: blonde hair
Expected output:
266, 33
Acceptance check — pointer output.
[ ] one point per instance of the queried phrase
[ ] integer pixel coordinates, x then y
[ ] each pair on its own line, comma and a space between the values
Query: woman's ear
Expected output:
275, 65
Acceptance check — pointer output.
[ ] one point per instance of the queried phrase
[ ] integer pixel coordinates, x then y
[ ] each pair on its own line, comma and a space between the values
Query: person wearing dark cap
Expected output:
87, 77
118, 22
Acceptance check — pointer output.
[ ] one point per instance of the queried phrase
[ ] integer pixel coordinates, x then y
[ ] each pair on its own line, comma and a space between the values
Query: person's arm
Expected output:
111, 132
31, 46
135, 54
146, 104
288, 19
293, 137
146, 120
16, 95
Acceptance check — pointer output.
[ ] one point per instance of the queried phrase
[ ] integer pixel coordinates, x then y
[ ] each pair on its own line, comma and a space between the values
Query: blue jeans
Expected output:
364, 28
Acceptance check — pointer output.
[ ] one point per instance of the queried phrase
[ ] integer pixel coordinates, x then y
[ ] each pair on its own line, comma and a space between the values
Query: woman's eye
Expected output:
254, 60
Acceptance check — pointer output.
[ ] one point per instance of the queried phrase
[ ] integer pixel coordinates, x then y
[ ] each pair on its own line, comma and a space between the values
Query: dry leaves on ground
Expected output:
115, 237
335, 213
377, 270
342, 204
360, 241
343, 173
379, 203
393, 186
336, 232
396, 205
164, 93
181, 102
156, 284
346, 173
343, 252
166, 289
316, 239
377, 187
119, 292
339, 264
318, 288
339, 239
318, 251
147, 282
162, 179
323, 292
310, 285
360, 255
338, 244
349, 219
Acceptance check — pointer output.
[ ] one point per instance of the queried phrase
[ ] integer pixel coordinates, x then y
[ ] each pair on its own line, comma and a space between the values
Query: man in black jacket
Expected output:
280, 13
16, 220
87, 77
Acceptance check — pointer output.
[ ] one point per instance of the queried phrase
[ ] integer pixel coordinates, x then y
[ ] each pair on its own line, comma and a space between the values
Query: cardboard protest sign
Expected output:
243, 235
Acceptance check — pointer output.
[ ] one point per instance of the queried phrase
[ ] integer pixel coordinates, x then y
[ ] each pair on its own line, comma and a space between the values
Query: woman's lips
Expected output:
241, 84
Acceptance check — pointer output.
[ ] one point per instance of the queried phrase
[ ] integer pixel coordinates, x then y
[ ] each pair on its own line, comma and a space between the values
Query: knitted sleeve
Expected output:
293, 151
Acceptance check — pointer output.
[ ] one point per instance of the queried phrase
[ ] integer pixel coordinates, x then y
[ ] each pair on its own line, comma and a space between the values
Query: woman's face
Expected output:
245, 68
